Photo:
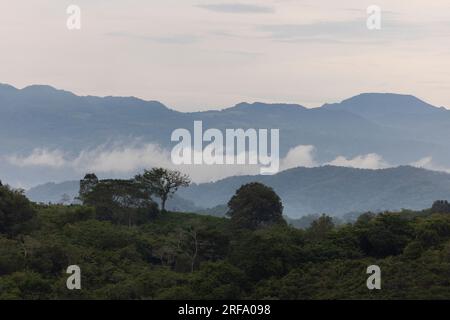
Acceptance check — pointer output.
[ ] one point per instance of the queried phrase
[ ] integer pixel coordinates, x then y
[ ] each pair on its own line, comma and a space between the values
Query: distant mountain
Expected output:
55, 192
373, 105
403, 113
336, 190
400, 128
304, 191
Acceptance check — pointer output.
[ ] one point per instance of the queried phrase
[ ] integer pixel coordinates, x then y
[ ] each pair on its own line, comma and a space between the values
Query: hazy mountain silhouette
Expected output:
53, 193
375, 105
331, 190
400, 128
336, 190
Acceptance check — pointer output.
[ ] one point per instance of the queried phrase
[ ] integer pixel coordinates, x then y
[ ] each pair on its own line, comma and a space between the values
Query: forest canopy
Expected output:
127, 248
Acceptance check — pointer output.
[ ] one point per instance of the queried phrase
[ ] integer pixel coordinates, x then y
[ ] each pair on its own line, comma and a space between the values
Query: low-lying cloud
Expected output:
368, 161
300, 156
429, 164
39, 158
126, 160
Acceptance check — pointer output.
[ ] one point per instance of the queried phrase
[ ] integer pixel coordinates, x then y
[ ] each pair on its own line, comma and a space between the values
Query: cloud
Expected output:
428, 163
353, 31
39, 158
180, 39
176, 39
127, 160
237, 8
120, 159
368, 161
300, 156
330, 29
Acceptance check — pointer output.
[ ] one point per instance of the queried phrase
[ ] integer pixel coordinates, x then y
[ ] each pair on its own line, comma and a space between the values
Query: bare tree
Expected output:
188, 244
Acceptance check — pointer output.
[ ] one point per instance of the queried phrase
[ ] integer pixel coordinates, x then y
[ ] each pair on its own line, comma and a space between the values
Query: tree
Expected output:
218, 280
440, 206
255, 205
188, 244
386, 235
87, 184
121, 201
16, 211
268, 252
11, 256
163, 183
321, 227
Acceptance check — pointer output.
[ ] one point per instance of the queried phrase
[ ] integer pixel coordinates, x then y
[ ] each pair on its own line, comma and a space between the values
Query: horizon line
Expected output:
209, 108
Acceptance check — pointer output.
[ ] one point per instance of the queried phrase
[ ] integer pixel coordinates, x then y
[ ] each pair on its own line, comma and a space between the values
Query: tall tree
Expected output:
16, 211
440, 206
255, 205
321, 227
163, 183
87, 184
121, 201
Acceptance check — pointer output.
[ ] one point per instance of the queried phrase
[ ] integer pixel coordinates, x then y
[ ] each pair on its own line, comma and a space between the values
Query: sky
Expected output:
210, 54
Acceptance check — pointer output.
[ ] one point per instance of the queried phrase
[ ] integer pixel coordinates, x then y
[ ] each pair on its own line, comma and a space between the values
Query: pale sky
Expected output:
203, 54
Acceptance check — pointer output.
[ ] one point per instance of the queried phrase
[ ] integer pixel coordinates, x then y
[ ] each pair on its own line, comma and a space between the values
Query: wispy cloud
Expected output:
300, 156
39, 158
180, 39
176, 39
429, 164
368, 161
126, 160
345, 31
237, 8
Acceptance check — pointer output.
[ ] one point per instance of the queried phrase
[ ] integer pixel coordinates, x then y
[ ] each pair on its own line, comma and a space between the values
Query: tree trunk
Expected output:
163, 204
194, 256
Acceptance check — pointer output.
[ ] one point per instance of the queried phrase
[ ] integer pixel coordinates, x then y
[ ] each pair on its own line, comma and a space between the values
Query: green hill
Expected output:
189, 256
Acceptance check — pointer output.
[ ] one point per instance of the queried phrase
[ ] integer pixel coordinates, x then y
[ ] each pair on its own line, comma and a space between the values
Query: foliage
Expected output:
321, 227
254, 206
191, 256
441, 206
121, 201
16, 211
163, 183
87, 184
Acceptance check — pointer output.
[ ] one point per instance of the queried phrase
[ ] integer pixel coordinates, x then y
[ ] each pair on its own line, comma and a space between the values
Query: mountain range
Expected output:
331, 190
401, 129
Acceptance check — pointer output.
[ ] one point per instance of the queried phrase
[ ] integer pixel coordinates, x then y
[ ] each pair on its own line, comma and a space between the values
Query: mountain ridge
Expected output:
327, 189
336, 190
42, 88
57, 120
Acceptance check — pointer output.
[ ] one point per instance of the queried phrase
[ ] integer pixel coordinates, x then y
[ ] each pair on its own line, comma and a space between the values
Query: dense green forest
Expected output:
127, 248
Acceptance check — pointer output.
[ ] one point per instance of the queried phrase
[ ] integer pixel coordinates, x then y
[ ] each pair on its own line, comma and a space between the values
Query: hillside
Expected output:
401, 129
188, 256
336, 190
331, 190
